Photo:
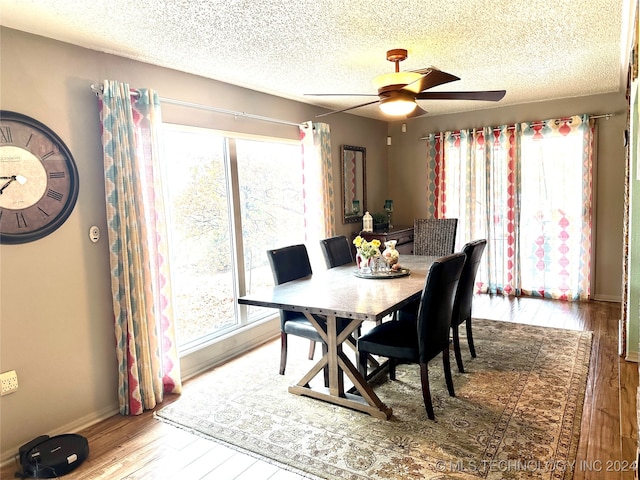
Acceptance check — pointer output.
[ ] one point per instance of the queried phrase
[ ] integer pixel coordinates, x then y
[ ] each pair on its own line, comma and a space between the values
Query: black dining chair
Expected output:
287, 264
464, 297
337, 251
422, 339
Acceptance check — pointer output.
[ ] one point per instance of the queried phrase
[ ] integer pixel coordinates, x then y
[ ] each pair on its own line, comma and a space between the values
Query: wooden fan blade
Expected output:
346, 109
487, 95
432, 77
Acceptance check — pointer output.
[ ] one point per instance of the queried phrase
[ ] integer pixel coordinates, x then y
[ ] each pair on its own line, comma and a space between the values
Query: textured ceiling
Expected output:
534, 50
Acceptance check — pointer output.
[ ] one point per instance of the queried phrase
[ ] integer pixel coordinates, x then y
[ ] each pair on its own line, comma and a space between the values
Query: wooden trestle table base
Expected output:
338, 293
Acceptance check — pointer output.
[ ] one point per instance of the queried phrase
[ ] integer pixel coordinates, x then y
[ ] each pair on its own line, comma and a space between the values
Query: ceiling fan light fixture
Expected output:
397, 105
398, 92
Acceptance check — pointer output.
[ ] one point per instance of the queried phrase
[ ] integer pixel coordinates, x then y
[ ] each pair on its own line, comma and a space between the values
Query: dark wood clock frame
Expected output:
42, 214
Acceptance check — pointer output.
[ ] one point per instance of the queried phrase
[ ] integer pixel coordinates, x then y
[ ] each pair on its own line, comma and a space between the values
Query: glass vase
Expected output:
363, 263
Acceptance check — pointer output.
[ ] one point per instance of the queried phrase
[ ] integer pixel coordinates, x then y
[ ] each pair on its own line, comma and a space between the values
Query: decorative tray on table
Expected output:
402, 272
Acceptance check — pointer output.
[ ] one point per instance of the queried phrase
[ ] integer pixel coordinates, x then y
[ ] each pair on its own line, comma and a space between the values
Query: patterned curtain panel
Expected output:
555, 238
320, 219
436, 187
140, 281
501, 214
527, 189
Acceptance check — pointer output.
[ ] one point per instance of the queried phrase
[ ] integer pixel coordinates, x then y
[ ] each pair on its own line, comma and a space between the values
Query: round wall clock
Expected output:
38, 179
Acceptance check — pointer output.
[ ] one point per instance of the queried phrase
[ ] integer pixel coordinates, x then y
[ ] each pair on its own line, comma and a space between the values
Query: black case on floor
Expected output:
50, 457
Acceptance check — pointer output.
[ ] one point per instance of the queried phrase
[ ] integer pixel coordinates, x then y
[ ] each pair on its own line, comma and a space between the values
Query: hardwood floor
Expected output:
143, 447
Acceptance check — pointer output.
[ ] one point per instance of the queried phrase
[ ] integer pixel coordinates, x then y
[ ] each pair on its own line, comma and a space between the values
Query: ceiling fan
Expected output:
398, 92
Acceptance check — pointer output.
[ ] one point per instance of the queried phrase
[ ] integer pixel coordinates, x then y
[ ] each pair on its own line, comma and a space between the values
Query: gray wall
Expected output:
56, 317
56, 321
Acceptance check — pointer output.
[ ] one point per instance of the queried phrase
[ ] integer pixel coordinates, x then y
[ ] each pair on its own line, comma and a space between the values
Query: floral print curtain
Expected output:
527, 189
318, 181
140, 281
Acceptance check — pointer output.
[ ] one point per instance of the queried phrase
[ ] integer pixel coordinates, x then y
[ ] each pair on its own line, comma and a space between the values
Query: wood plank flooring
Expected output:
144, 448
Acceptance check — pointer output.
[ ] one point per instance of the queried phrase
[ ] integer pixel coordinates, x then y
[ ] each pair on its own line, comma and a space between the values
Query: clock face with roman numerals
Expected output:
38, 179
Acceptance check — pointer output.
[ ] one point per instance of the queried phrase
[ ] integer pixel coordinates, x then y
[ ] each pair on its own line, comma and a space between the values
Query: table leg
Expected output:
336, 379
339, 364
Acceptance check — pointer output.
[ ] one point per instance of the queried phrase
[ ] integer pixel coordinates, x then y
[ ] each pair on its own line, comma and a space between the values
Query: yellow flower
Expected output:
367, 249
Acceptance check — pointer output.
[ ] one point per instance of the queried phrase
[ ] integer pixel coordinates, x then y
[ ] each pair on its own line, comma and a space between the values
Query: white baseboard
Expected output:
219, 351
607, 298
632, 357
623, 349
9, 453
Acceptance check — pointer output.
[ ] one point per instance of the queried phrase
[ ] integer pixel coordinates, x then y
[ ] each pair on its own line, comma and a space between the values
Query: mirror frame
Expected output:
353, 174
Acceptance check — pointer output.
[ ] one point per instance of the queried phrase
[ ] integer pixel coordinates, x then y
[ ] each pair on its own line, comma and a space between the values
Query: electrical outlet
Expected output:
9, 382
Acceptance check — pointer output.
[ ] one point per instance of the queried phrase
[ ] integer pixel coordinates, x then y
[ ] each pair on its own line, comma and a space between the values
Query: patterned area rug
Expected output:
516, 413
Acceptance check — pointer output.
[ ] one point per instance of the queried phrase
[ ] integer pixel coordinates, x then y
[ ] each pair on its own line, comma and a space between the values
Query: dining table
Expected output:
343, 293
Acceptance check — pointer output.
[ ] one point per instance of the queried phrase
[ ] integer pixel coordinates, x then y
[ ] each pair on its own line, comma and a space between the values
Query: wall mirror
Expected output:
354, 192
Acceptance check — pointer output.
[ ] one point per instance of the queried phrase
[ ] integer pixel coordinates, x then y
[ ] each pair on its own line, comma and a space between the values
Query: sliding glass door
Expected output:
527, 189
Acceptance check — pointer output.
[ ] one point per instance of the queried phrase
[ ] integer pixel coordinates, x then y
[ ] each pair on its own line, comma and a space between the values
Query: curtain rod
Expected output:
595, 117
98, 91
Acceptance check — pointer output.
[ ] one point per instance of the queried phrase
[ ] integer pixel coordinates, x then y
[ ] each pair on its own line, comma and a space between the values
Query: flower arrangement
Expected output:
367, 249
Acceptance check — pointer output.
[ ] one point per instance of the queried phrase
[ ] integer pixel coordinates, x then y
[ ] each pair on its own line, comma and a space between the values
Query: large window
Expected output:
230, 199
